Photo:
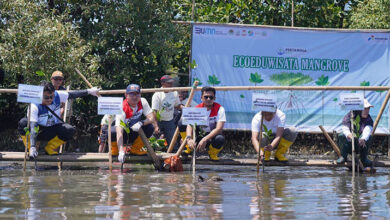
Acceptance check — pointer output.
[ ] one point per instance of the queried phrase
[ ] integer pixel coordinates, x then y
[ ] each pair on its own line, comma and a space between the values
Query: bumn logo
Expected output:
199, 30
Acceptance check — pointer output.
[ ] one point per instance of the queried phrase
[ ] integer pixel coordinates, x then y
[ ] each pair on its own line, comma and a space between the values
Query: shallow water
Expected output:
86, 192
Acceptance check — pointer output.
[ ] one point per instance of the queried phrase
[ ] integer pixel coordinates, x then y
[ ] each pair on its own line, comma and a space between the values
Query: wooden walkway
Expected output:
98, 157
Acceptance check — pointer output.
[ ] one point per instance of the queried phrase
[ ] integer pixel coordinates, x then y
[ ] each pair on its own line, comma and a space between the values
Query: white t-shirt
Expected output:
278, 121
105, 119
40, 114
192, 104
167, 101
146, 110
213, 120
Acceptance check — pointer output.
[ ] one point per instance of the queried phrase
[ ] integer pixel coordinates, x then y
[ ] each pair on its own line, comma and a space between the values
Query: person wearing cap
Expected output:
128, 123
274, 136
57, 79
209, 136
45, 122
163, 104
362, 134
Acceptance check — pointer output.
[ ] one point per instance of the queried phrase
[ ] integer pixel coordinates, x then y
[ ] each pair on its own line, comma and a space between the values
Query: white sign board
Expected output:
352, 101
192, 116
263, 102
109, 105
30, 94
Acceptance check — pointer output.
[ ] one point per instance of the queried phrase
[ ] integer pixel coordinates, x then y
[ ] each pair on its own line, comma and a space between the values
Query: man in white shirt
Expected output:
275, 136
362, 134
163, 105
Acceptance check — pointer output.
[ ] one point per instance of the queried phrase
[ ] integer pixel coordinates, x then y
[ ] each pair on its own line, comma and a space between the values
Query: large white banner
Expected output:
227, 55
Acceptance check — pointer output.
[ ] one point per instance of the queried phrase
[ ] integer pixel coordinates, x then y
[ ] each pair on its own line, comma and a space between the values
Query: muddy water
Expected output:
86, 192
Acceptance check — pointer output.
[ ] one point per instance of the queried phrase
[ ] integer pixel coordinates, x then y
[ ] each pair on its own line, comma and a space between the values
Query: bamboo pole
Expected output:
378, 117
84, 79
109, 144
27, 136
177, 131
151, 153
238, 88
332, 143
64, 118
353, 146
261, 137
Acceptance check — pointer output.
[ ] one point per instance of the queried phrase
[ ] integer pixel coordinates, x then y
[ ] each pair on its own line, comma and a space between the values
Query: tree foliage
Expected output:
371, 14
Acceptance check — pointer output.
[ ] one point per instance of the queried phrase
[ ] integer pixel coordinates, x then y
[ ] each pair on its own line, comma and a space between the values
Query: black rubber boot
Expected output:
363, 157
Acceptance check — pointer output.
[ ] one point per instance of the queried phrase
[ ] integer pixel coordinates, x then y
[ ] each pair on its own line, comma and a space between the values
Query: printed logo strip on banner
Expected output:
109, 105
352, 101
263, 102
192, 116
30, 94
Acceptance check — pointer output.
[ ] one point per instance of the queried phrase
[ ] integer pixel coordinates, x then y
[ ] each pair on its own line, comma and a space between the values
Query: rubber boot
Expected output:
24, 139
282, 149
138, 147
213, 152
363, 157
114, 148
53, 145
187, 150
267, 154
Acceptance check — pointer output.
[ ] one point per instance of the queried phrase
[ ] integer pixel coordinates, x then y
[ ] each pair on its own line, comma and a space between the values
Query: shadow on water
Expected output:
91, 191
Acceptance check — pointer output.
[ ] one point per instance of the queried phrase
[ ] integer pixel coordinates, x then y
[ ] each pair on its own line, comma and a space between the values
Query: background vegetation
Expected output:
117, 42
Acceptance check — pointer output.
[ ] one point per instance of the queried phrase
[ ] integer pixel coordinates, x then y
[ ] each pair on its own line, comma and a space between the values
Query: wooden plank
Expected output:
99, 157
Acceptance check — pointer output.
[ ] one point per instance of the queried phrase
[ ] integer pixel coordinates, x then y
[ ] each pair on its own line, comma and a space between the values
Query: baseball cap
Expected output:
367, 104
166, 78
133, 88
57, 74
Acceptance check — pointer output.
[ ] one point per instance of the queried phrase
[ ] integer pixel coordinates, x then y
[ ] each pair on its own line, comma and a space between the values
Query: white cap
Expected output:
367, 104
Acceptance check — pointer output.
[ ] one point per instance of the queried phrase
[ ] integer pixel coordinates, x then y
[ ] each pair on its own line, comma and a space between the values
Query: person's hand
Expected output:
349, 137
362, 143
121, 157
137, 126
33, 152
268, 147
191, 143
93, 91
156, 130
202, 145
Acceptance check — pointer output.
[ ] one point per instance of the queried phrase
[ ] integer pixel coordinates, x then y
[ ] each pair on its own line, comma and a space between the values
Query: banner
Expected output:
230, 55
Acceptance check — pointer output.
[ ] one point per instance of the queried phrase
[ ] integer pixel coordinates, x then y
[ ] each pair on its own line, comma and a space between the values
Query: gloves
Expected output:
93, 91
33, 152
121, 157
137, 126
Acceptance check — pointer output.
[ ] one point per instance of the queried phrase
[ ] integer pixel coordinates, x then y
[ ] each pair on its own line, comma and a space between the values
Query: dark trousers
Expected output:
216, 141
64, 131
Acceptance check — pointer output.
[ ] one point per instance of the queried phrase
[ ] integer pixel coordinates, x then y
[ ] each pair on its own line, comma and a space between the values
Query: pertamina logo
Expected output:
372, 38
210, 31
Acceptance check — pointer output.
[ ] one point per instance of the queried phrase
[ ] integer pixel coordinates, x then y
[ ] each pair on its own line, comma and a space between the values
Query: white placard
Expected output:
30, 94
263, 102
192, 116
109, 105
352, 101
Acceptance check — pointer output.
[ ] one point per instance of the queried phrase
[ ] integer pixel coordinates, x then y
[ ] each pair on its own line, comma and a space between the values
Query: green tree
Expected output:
371, 14
34, 39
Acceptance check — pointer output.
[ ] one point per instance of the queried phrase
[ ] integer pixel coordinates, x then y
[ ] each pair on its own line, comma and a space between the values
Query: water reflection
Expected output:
140, 192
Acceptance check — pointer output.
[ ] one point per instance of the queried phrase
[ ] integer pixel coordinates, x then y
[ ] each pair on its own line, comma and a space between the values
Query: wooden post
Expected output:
378, 117
176, 134
261, 138
109, 144
64, 118
353, 146
27, 137
83, 77
151, 153
332, 143
194, 151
